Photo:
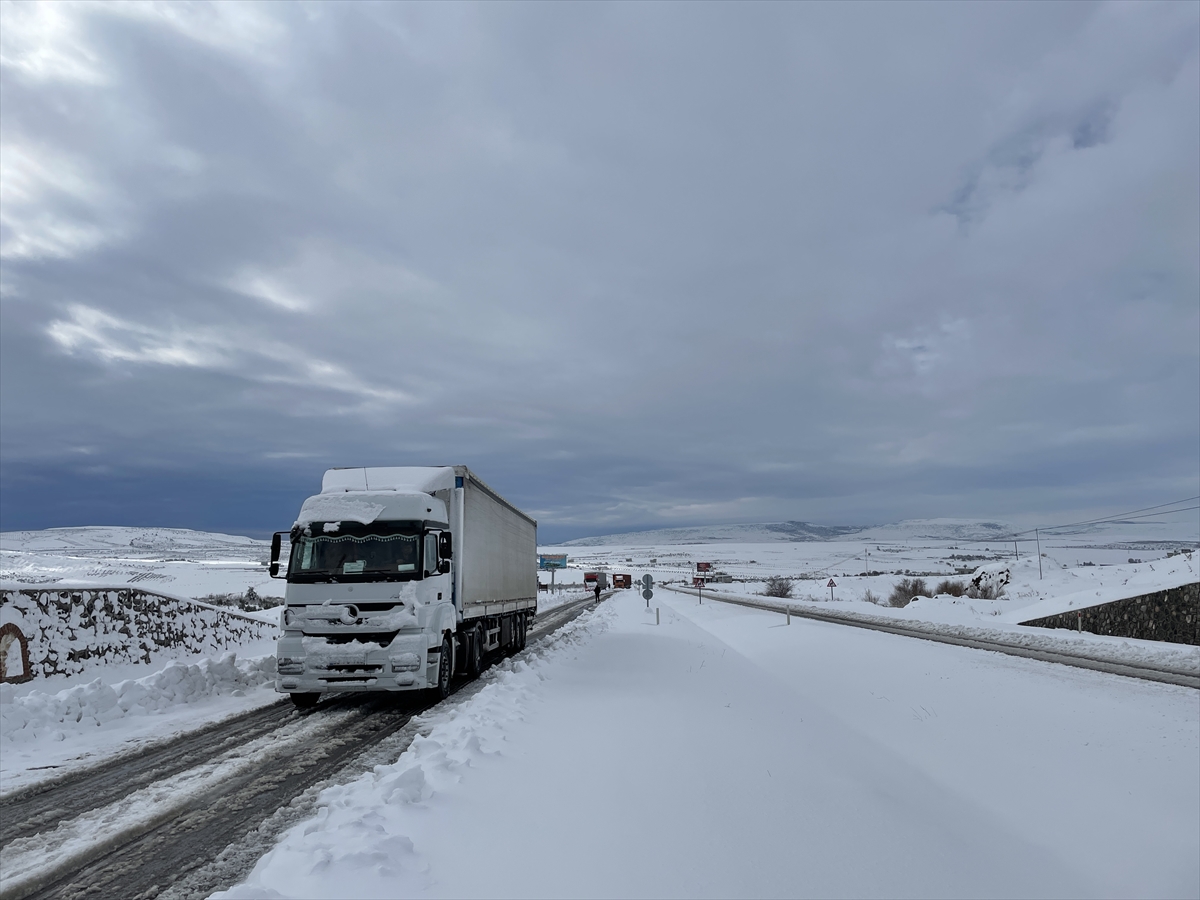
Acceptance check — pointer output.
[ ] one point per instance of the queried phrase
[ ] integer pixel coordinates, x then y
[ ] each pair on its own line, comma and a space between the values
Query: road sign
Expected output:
703, 567
831, 584
648, 580
647, 594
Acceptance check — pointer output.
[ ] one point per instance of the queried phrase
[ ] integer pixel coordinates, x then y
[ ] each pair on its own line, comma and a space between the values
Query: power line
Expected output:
1111, 518
1128, 515
1121, 518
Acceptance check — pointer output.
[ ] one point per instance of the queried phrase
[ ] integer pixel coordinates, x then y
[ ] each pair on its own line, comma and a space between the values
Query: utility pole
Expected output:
1016, 552
1038, 538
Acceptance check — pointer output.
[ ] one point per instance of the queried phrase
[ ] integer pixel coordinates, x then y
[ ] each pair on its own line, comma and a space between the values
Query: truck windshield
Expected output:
347, 551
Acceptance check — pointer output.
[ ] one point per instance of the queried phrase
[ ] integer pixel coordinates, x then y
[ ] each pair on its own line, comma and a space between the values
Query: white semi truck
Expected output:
398, 578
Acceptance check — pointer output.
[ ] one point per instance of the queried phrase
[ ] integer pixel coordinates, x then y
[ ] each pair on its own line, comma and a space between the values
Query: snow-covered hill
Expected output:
178, 560
1169, 529
135, 542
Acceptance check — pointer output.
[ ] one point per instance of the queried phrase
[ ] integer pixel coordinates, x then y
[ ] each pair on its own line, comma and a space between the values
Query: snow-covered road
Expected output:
723, 753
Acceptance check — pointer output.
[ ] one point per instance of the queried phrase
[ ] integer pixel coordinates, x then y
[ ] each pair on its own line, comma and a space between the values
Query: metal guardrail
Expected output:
1064, 656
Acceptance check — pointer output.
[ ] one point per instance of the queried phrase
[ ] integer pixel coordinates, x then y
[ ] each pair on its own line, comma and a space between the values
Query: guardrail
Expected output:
59, 629
1030, 646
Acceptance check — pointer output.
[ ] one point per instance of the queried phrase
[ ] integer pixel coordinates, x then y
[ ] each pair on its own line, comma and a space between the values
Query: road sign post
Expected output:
647, 589
831, 586
552, 562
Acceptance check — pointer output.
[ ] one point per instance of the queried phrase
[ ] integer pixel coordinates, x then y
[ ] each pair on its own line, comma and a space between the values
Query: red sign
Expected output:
831, 584
703, 567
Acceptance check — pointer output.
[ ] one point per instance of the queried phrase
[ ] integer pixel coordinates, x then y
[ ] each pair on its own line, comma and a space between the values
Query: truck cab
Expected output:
380, 565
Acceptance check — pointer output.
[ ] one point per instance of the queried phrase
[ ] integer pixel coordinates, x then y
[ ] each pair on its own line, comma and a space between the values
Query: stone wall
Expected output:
1170, 615
58, 631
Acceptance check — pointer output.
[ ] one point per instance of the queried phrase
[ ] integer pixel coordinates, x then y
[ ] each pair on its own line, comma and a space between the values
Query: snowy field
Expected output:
174, 560
723, 754
1107, 562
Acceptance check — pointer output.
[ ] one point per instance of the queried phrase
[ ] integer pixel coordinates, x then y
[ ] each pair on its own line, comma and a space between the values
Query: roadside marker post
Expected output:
789, 614
831, 586
656, 621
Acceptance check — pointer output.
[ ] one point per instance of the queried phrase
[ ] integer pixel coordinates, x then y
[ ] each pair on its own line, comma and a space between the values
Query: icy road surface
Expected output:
725, 754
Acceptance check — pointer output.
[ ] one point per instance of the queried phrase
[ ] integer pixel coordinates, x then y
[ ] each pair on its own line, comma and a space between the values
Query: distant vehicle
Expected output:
400, 577
622, 581
591, 579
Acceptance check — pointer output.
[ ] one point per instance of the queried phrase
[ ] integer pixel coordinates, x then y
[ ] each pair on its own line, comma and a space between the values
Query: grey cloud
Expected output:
635, 263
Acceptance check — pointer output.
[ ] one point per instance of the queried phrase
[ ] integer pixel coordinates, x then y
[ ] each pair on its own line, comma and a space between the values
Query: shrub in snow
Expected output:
778, 586
953, 588
251, 601
871, 597
906, 590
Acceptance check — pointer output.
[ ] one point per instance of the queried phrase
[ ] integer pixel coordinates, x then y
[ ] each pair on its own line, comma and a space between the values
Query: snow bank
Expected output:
38, 715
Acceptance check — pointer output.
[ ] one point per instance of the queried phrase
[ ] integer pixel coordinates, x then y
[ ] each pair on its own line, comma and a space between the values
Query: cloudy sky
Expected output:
637, 265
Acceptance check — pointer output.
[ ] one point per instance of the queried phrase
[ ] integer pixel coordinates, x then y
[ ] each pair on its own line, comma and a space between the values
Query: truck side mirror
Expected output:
446, 546
276, 545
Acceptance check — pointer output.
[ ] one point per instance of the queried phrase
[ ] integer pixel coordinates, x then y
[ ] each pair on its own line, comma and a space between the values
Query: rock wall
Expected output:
58, 631
1170, 615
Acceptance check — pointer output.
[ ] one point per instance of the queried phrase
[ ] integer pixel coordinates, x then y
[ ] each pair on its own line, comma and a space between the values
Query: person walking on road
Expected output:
597, 590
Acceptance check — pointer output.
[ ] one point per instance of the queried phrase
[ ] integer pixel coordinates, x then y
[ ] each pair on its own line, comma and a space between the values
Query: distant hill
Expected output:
107, 540
940, 530
762, 533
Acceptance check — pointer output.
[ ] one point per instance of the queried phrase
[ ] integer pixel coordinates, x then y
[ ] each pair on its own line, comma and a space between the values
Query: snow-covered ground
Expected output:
722, 753
1106, 563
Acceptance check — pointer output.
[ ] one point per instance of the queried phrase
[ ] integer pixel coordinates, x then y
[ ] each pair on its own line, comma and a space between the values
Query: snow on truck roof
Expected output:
367, 506
381, 480
402, 479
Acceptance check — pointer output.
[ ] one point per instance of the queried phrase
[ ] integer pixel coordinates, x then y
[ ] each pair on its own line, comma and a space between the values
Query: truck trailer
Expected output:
591, 579
398, 578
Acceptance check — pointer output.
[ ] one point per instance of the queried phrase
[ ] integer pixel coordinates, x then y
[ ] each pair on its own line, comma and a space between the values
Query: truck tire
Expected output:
475, 652
441, 690
305, 701
522, 630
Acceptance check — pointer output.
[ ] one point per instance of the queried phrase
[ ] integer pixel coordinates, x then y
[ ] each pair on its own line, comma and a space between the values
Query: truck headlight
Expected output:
289, 666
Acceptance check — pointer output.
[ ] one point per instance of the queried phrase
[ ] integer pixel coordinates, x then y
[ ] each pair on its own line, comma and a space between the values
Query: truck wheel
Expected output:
522, 629
441, 690
305, 701
475, 652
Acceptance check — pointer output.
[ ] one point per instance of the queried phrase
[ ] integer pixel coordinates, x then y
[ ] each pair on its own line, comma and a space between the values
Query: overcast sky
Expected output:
636, 265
